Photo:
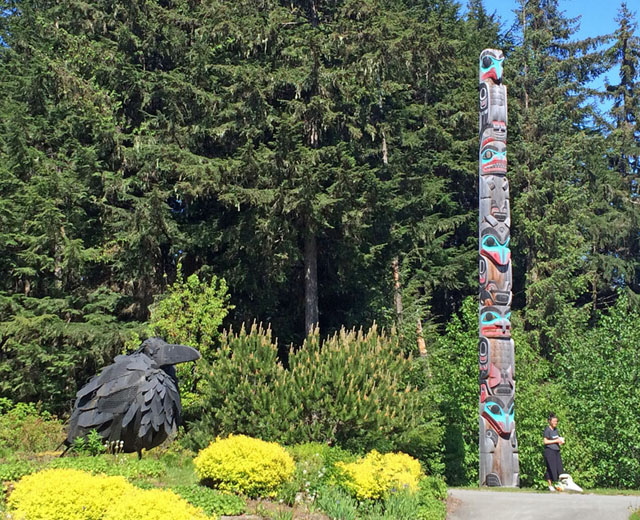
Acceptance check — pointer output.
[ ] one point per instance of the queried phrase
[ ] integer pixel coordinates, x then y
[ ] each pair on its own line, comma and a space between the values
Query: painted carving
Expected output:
498, 442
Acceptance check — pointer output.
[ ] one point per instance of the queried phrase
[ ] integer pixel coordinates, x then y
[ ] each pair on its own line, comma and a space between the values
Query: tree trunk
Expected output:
397, 294
422, 347
310, 283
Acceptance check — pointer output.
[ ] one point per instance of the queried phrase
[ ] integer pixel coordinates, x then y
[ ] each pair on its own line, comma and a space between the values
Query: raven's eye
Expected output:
494, 409
491, 242
487, 62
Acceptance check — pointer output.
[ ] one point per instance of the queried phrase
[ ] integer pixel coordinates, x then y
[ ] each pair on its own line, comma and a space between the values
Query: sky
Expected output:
597, 18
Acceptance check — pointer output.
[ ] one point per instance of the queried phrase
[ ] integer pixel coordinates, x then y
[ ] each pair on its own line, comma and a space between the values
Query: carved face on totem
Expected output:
495, 283
500, 415
491, 65
495, 322
493, 112
493, 158
494, 199
495, 247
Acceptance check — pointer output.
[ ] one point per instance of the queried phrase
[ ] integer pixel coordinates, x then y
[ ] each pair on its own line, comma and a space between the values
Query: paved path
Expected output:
467, 504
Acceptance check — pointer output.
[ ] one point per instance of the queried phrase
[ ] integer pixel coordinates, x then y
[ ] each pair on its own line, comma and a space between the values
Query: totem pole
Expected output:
498, 444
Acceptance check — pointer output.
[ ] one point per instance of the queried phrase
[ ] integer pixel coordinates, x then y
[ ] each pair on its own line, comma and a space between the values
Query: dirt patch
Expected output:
265, 509
452, 504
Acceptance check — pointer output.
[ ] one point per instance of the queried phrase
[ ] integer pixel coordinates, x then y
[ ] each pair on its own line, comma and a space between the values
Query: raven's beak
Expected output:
174, 354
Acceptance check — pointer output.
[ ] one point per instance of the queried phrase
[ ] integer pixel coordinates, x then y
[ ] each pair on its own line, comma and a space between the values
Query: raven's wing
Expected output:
156, 411
132, 394
107, 396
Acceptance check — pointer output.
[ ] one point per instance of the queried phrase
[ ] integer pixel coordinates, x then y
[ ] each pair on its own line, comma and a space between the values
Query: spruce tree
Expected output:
556, 168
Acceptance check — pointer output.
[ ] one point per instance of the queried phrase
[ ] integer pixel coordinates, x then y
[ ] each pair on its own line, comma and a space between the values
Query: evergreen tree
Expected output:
624, 147
555, 154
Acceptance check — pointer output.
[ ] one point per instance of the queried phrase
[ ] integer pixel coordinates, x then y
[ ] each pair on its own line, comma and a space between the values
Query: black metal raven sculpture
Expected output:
135, 400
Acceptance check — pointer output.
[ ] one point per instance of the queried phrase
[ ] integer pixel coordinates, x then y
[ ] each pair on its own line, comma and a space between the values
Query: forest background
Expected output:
317, 162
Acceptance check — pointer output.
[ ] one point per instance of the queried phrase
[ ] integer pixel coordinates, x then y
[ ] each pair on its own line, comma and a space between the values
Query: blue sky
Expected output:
597, 18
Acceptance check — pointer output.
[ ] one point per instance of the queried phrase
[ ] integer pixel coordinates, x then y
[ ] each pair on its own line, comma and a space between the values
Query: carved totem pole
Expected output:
498, 444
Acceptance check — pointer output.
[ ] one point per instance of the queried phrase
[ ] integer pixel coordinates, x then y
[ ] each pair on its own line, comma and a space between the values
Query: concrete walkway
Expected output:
464, 504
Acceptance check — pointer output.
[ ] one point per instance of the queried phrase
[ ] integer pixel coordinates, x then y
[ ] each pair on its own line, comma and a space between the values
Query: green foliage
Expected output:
433, 487
337, 504
121, 465
455, 367
24, 427
351, 390
92, 444
315, 468
191, 313
319, 456
431, 509
598, 368
15, 470
212, 502
241, 389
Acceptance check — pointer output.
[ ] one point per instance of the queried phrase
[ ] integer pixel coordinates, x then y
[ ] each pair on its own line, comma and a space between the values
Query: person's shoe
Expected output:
559, 488
551, 488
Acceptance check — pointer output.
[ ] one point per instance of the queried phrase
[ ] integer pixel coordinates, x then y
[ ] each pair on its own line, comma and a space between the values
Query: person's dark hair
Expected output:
552, 416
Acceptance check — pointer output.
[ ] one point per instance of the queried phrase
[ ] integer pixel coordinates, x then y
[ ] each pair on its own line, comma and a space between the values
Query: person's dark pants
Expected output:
554, 464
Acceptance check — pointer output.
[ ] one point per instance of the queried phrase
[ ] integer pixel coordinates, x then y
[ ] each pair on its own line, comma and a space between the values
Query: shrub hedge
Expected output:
245, 465
70, 494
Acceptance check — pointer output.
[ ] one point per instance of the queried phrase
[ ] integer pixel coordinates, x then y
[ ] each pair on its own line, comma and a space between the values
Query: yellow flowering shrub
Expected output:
245, 465
153, 504
71, 494
65, 494
375, 475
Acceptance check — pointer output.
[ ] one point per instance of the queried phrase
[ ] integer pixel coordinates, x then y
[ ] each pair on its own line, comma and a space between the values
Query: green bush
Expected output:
212, 502
15, 470
245, 465
432, 487
401, 505
24, 427
315, 468
243, 390
599, 372
337, 504
191, 313
431, 509
351, 390
92, 444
